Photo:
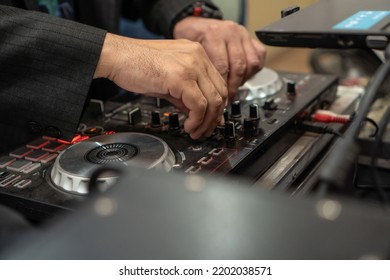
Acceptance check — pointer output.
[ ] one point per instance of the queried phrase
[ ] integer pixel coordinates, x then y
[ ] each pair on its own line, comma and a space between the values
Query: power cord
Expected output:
317, 128
337, 166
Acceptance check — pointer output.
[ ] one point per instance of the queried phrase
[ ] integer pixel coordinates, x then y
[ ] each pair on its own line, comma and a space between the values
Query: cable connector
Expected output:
326, 116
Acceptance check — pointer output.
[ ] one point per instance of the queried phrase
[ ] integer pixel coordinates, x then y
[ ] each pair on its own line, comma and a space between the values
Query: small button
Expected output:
6, 160
23, 183
271, 121
54, 147
37, 155
49, 158
205, 160
193, 169
21, 152
31, 168
216, 151
9, 180
3, 174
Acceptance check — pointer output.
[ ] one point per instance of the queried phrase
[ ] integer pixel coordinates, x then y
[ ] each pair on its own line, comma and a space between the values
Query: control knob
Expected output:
291, 90
254, 112
230, 130
174, 123
236, 109
156, 119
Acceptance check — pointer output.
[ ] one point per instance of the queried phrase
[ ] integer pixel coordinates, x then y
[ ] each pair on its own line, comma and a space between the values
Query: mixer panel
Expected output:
134, 130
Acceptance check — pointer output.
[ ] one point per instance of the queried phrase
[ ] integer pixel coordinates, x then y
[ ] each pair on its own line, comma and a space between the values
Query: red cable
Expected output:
329, 117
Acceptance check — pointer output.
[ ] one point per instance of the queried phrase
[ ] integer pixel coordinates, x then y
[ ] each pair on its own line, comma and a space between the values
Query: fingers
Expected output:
205, 102
246, 58
218, 54
238, 66
179, 71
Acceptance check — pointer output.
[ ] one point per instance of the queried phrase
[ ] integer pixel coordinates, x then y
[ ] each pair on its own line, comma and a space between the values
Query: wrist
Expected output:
198, 9
107, 57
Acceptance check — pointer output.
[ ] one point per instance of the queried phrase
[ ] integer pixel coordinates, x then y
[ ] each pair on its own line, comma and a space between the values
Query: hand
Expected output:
234, 53
177, 70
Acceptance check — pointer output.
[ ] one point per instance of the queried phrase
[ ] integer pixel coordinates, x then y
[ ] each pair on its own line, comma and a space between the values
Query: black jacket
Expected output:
47, 63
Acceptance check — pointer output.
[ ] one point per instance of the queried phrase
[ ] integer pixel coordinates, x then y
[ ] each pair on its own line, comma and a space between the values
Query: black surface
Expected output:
157, 216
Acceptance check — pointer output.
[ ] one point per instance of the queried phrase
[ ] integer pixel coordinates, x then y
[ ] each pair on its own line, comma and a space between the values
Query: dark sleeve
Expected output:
159, 14
47, 65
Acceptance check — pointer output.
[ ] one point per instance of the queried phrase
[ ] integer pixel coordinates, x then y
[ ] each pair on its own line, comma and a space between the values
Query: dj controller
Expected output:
49, 174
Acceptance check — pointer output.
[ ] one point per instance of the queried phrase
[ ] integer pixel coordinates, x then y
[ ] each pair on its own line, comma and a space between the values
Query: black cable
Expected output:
345, 151
317, 128
374, 124
375, 154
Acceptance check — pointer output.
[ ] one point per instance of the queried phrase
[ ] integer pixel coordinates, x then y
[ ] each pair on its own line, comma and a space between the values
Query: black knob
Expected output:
156, 119
254, 112
236, 109
225, 115
230, 130
270, 104
291, 90
174, 123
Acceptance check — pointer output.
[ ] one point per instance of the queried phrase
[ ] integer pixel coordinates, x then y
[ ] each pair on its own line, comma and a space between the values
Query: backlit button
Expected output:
6, 160
3, 174
193, 169
38, 143
21, 152
205, 160
49, 158
23, 183
31, 168
19, 165
9, 180
37, 155
216, 151
54, 147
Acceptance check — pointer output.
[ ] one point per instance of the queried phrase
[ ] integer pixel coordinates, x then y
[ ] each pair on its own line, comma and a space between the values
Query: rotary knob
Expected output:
291, 89
174, 123
263, 84
156, 119
254, 112
230, 131
236, 109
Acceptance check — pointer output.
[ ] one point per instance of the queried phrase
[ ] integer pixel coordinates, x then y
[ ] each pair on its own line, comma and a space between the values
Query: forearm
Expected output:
47, 67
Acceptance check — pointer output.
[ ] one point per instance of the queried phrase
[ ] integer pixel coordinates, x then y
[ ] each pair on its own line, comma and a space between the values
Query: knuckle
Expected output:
231, 24
240, 67
196, 46
254, 65
219, 101
222, 67
202, 103
182, 72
